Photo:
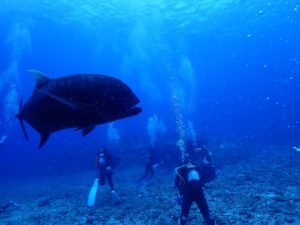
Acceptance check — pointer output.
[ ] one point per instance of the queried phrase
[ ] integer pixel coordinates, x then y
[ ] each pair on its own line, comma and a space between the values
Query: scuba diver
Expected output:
104, 163
149, 164
189, 181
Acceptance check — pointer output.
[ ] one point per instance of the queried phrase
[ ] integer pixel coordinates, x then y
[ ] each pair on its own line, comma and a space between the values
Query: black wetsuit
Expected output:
150, 159
104, 162
188, 182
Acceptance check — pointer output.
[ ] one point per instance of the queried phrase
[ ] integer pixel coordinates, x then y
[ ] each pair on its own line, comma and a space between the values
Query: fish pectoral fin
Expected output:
87, 130
40, 77
72, 104
44, 138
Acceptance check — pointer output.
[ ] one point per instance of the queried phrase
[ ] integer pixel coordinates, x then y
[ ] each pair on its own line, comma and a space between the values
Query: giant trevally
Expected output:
80, 101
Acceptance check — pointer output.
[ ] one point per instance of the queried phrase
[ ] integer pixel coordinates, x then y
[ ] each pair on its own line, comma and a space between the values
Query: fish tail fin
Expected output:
44, 138
19, 116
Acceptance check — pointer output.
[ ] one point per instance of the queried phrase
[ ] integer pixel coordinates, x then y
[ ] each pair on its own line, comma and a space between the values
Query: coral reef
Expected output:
260, 189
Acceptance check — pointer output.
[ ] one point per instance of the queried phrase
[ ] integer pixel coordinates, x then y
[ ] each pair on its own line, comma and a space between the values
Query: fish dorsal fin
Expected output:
40, 77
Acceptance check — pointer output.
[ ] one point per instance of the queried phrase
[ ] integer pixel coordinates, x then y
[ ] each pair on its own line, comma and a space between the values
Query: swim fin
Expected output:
93, 193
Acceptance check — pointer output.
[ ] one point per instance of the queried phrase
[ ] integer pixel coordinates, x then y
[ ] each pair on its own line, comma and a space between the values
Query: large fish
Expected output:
80, 101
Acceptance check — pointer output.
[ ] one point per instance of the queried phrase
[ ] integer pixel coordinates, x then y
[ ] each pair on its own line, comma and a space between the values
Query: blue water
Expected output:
225, 70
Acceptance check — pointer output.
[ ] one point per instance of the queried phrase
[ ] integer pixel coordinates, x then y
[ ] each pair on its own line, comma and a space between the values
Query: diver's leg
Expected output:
102, 177
203, 206
185, 208
109, 179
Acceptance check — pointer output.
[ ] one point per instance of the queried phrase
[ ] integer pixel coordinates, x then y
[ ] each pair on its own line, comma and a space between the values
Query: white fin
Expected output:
40, 77
93, 193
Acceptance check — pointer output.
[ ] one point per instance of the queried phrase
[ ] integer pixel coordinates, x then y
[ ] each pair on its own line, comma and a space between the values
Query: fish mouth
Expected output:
134, 110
